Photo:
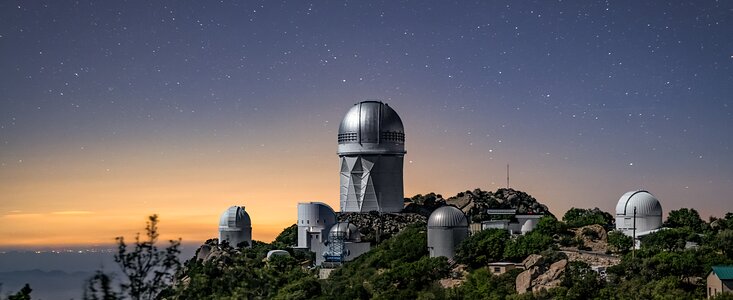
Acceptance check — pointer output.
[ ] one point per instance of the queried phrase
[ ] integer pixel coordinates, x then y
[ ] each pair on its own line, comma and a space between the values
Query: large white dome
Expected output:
648, 215
644, 202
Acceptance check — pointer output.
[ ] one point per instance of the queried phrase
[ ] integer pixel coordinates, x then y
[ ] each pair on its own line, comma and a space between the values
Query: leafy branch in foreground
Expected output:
146, 269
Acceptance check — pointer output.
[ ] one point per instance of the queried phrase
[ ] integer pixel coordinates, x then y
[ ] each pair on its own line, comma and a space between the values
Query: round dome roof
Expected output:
447, 216
371, 127
346, 230
235, 217
646, 204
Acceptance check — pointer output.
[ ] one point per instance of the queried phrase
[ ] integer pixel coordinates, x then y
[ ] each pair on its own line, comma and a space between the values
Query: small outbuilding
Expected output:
498, 268
720, 280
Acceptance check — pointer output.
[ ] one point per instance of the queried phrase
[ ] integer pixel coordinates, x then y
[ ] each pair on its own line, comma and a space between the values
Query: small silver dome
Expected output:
371, 127
345, 230
235, 218
447, 216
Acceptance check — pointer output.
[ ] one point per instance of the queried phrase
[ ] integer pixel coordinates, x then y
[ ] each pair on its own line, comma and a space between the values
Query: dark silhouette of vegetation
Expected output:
685, 218
482, 248
147, 270
619, 242
579, 217
99, 287
23, 294
288, 237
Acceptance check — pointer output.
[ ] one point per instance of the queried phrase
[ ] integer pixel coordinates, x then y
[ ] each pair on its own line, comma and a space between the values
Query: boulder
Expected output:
532, 260
551, 278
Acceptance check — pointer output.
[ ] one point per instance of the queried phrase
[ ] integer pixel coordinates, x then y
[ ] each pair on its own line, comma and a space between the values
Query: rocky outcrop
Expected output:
475, 203
593, 259
379, 227
594, 237
538, 275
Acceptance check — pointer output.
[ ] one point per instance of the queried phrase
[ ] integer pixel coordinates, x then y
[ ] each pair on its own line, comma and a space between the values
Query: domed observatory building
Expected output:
447, 227
314, 221
371, 147
640, 209
344, 244
235, 227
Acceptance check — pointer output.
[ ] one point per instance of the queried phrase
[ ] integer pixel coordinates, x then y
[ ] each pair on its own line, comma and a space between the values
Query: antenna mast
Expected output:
507, 176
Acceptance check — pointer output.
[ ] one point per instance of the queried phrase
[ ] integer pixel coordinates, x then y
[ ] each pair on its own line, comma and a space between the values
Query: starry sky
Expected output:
114, 110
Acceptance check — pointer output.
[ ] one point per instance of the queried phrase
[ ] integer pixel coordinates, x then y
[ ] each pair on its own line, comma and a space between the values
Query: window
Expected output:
497, 270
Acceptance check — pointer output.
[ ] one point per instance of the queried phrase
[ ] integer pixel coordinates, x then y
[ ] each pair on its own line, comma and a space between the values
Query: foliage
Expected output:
669, 239
620, 242
23, 294
579, 217
579, 281
685, 217
723, 240
244, 273
147, 269
481, 284
397, 268
481, 248
522, 246
549, 225
288, 237
99, 287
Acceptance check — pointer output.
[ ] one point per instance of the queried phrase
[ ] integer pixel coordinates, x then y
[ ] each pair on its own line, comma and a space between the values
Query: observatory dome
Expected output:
447, 216
371, 127
347, 231
235, 227
648, 213
646, 204
234, 218
447, 227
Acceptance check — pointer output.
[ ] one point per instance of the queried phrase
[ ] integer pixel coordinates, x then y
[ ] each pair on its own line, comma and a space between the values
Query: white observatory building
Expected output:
638, 209
235, 227
314, 221
447, 227
371, 147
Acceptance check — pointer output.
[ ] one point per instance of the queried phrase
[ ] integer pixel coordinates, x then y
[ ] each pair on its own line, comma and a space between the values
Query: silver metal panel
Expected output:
371, 127
371, 183
447, 216
442, 241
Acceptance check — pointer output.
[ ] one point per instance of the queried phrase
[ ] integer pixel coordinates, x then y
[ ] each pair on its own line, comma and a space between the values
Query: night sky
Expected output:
114, 110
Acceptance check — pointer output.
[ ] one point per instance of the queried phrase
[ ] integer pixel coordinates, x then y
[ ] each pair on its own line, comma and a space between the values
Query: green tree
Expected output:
481, 284
522, 246
685, 217
723, 241
619, 241
668, 239
579, 217
483, 247
580, 281
551, 226
288, 237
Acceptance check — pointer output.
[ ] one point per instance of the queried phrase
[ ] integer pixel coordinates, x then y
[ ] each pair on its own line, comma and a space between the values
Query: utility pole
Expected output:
633, 230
